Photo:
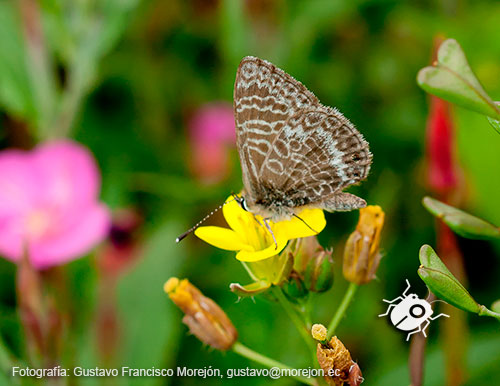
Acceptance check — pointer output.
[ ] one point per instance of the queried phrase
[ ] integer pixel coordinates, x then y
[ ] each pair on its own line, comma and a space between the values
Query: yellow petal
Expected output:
295, 227
222, 238
243, 223
237, 218
246, 255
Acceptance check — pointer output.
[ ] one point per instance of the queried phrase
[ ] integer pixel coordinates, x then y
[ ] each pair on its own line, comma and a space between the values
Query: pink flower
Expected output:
212, 134
49, 203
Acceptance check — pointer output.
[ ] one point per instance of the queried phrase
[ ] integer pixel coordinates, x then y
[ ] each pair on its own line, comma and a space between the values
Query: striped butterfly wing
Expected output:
265, 97
293, 150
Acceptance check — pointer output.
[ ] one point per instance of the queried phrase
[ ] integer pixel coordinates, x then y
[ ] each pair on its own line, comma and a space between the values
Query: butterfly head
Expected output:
241, 201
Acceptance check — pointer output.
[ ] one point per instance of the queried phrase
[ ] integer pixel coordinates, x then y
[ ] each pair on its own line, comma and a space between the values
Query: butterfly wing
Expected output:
264, 99
318, 155
293, 150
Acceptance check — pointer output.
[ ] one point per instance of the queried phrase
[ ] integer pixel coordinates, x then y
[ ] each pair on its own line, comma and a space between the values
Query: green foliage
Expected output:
150, 322
461, 222
15, 89
446, 286
77, 36
494, 122
442, 282
452, 79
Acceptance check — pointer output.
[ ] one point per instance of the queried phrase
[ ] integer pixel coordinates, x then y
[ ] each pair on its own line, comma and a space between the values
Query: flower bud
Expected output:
204, 317
361, 253
337, 364
318, 276
303, 250
295, 287
319, 332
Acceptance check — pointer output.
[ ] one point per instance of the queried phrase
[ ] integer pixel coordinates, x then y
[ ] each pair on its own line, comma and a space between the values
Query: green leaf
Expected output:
452, 79
250, 289
461, 222
495, 122
442, 282
16, 94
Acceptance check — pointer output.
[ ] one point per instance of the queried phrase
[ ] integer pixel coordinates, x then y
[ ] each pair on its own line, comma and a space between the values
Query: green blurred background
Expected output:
143, 68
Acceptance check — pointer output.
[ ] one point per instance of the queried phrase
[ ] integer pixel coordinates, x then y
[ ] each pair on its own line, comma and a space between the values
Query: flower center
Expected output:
38, 223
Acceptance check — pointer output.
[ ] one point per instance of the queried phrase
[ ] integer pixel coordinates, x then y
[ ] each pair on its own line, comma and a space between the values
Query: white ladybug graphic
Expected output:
411, 313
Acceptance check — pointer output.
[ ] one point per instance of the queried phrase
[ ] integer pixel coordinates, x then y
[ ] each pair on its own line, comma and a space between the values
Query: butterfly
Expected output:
295, 152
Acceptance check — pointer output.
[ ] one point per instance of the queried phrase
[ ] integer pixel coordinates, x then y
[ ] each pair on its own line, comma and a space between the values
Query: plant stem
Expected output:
351, 290
483, 311
301, 328
416, 358
246, 352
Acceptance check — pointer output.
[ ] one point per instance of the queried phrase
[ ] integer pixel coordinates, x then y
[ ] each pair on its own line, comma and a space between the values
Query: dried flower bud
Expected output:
319, 272
361, 253
355, 376
204, 317
336, 362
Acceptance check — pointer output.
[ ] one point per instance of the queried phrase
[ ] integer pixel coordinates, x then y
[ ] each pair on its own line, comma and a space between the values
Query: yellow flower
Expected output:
249, 236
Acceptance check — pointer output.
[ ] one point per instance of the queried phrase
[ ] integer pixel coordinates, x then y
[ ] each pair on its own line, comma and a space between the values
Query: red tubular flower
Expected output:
442, 169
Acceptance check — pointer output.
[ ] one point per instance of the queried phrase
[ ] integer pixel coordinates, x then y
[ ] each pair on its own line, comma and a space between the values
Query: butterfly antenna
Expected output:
301, 219
183, 236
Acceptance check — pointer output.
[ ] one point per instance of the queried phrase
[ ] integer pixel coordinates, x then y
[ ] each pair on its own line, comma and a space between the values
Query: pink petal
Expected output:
11, 238
19, 185
69, 173
77, 235
213, 123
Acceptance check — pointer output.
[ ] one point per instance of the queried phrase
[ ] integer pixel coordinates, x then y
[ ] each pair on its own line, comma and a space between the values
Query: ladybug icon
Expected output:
411, 313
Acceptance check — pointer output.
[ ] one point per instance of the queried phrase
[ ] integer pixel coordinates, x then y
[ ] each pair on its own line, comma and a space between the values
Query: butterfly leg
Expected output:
268, 227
